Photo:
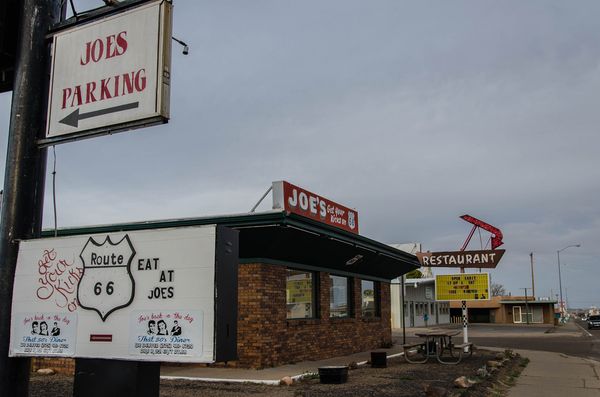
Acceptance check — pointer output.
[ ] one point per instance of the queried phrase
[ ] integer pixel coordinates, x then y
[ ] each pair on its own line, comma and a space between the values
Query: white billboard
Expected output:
138, 295
111, 74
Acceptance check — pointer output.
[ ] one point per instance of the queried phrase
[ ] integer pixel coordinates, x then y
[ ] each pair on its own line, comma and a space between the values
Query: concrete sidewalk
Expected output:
269, 376
556, 374
550, 374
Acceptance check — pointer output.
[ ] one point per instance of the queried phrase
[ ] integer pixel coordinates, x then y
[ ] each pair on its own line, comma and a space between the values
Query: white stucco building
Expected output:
420, 308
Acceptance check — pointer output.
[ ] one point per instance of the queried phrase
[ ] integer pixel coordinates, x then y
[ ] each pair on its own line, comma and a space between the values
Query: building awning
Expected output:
282, 238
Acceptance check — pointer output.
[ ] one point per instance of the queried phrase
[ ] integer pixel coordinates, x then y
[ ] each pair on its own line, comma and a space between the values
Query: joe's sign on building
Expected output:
294, 199
111, 74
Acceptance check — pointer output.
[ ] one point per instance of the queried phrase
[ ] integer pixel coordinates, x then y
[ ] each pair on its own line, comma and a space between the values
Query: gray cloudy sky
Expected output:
412, 112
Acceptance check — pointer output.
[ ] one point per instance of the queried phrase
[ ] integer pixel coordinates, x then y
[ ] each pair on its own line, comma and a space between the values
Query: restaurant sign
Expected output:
470, 259
139, 295
462, 287
299, 201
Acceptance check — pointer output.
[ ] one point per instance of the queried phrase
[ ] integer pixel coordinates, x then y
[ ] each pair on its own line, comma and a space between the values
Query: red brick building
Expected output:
306, 290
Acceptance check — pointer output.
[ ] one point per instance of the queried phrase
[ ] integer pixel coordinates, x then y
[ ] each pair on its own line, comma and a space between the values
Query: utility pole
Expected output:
532, 278
403, 313
24, 178
526, 305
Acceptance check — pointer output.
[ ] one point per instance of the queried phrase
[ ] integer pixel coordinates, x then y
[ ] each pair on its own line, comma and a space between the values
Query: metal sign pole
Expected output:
24, 177
465, 318
465, 314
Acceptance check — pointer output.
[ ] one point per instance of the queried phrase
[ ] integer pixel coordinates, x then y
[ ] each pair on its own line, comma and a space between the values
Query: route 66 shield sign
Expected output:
107, 283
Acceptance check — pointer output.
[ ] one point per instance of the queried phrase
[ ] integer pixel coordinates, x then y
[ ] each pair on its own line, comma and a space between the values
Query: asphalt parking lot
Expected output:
572, 338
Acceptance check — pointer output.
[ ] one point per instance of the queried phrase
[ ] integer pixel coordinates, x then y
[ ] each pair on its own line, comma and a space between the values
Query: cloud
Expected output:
412, 112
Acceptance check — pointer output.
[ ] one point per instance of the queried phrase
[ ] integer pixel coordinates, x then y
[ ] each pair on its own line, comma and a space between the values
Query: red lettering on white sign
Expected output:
311, 205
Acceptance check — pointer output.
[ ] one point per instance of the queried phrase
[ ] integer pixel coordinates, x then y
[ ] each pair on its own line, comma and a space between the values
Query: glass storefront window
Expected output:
369, 307
299, 294
339, 297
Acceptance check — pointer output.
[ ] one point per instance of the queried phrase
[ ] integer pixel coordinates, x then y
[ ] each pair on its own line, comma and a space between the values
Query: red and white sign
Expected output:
111, 74
294, 199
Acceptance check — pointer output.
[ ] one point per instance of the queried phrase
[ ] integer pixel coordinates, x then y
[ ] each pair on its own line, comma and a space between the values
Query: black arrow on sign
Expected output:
73, 118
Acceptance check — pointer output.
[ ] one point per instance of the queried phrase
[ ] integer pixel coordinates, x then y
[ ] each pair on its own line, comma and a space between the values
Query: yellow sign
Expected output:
462, 287
299, 291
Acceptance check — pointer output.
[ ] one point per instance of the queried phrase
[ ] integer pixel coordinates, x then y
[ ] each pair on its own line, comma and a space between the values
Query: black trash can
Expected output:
378, 359
333, 374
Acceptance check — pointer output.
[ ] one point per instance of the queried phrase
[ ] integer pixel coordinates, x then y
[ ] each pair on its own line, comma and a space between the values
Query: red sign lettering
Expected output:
311, 205
116, 44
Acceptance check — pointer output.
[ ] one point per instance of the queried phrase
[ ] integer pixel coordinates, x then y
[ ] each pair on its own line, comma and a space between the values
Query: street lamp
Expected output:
559, 278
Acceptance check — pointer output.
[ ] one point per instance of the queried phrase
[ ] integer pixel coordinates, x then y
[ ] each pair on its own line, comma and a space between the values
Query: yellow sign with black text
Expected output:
462, 287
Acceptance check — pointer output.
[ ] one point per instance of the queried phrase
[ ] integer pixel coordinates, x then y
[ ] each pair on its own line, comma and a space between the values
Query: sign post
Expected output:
466, 286
77, 101
23, 194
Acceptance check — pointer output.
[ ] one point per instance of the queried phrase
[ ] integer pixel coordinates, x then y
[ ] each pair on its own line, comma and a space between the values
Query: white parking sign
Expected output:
111, 74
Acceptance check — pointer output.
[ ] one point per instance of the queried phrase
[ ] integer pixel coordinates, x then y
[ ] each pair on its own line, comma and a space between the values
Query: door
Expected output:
538, 314
517, 315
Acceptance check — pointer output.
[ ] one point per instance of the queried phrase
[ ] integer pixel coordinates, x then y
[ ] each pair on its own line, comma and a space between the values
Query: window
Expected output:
299, 292
369, 299
339, 297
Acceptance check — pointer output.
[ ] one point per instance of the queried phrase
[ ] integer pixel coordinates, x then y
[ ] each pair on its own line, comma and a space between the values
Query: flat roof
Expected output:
282, 238
508, 302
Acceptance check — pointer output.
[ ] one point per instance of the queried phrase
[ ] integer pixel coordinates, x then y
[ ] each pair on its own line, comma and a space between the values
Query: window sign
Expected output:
299, 294
369, 299
339, 302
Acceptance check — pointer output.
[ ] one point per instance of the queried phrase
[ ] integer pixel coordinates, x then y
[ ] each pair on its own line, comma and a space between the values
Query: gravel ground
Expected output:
398, 379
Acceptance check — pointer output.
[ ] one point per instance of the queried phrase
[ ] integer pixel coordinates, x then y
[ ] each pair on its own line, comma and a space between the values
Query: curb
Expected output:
268, 382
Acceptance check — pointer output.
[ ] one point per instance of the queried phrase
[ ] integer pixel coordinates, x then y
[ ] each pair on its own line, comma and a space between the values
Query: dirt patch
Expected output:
398, 379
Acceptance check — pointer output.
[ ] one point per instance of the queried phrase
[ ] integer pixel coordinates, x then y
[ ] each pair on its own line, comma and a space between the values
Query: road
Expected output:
568, 339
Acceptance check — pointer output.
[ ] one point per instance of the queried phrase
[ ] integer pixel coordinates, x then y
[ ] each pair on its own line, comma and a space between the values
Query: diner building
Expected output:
306, 289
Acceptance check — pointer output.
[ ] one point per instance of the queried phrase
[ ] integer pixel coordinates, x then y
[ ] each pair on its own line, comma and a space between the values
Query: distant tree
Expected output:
498, 290
414, 274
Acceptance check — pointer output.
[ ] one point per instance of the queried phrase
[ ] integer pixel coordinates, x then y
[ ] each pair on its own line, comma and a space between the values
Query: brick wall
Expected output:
266, 338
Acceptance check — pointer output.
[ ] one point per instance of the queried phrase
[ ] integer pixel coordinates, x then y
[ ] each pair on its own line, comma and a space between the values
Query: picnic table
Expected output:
437, 344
